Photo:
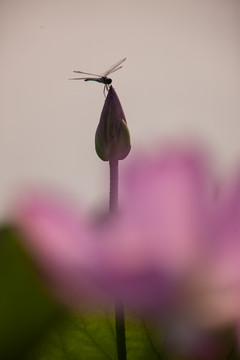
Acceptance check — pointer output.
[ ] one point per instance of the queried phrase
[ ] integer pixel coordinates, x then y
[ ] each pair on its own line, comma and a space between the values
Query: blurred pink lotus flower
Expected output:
174, 244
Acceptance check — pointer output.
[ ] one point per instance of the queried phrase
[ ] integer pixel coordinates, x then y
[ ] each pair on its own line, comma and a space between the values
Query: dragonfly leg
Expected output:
104, 89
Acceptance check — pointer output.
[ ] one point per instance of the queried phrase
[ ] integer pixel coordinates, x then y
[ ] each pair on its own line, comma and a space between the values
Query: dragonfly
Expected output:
101, 78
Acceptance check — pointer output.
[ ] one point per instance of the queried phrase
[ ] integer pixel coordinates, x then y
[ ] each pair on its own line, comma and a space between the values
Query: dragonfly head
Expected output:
107, 81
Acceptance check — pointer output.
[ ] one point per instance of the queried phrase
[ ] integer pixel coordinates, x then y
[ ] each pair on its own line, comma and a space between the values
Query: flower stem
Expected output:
113, 198
120, 331
119, 308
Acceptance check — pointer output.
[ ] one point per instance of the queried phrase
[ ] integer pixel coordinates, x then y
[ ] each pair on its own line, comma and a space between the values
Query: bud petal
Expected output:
112, 139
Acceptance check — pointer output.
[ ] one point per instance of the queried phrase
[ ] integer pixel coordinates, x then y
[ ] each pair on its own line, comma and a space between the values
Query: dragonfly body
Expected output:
102, 78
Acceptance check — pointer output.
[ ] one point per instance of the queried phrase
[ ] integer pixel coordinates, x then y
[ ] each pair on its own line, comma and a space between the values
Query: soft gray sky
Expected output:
181, 78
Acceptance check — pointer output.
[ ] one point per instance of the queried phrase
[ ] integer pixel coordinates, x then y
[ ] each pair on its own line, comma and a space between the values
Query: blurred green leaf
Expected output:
85, 337
26, 309
92, 337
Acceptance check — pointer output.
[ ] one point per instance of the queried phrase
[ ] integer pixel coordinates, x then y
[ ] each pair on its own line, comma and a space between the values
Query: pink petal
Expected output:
215, 284
167, 206
162, 225
60, 241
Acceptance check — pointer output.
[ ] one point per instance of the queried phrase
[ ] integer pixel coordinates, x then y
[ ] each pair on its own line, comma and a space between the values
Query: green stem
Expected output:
119, 307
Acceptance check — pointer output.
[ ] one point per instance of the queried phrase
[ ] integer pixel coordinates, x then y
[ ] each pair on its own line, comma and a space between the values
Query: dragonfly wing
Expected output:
113, 67
78, 78
81, 72
117, 68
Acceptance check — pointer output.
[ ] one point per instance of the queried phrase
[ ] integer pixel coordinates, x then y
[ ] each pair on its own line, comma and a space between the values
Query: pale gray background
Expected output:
181, 78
